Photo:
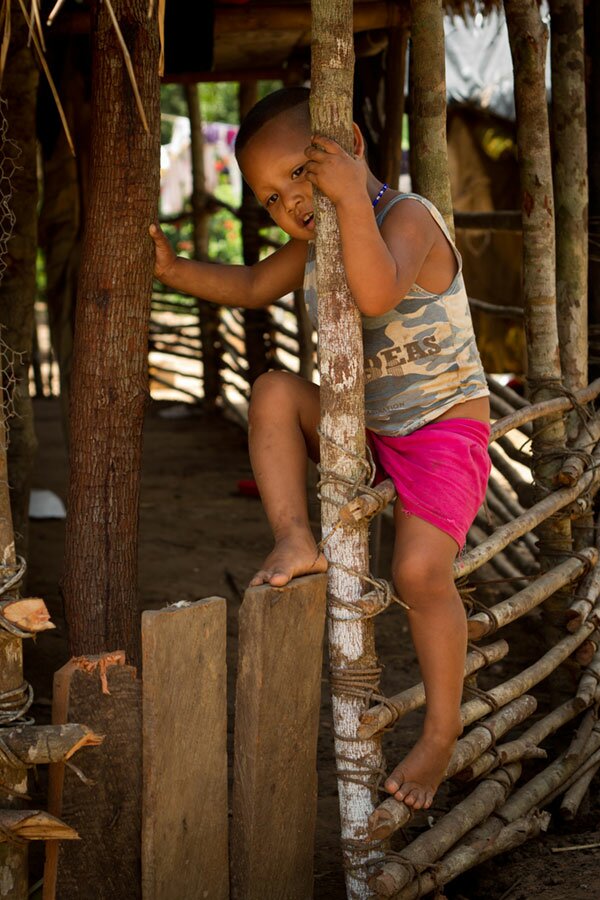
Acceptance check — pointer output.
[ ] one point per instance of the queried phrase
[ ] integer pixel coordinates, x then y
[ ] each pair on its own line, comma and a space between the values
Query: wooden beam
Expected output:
289, 17
277, 713
490, 220
184, 830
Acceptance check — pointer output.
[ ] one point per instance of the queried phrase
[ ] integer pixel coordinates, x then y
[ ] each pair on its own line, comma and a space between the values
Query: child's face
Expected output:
273, 165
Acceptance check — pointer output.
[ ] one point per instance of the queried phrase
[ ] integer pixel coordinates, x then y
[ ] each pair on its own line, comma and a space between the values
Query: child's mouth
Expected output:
308, 221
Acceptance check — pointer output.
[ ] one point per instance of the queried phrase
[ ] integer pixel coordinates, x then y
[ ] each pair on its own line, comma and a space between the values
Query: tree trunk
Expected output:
257, 322
429, 159
528, 37
18, 288
110, 367
395, 74
208, 313
570, 188
351, 639
592, 43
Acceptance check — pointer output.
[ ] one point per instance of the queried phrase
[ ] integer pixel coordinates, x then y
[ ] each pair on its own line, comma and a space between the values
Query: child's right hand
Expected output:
164, 253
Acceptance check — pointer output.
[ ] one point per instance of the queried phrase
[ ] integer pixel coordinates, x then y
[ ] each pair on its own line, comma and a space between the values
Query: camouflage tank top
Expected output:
421, 358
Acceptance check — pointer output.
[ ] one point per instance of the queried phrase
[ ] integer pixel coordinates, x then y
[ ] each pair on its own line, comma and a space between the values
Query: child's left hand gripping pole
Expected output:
354, 667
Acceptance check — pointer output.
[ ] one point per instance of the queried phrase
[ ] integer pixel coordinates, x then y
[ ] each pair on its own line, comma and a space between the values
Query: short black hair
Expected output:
268, 108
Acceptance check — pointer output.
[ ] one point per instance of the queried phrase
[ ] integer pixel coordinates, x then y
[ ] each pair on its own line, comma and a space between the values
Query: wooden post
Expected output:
528, 41
276, 727
13, 855
184, 826
395, 74
570, 189
256, 321
208, 313
351, 639
105, 807
109, 386
429, 149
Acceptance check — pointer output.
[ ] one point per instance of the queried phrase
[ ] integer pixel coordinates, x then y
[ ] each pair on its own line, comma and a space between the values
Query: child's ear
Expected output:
359, 142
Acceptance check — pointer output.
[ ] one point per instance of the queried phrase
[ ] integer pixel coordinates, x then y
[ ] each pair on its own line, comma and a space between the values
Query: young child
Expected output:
426, 400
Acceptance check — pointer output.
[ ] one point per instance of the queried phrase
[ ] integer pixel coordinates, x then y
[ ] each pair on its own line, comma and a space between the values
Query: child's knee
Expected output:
269, 392
419, 576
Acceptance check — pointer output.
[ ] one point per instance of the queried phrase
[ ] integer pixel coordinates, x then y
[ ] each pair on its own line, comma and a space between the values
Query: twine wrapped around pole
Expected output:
351, 638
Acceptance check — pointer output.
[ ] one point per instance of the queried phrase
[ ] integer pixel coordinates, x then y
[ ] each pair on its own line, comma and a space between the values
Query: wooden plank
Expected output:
184, 830
104, 693
277, 715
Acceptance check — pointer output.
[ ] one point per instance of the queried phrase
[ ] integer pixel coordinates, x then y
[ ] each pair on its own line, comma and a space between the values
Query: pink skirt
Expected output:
440, 471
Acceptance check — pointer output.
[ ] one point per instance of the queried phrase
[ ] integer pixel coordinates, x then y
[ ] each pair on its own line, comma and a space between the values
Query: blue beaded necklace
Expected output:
380, 195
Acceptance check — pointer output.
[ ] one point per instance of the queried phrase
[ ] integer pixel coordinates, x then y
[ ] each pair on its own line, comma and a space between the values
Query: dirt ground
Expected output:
200, 537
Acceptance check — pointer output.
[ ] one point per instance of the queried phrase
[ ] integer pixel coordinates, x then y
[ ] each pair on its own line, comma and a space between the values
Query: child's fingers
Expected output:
326, 143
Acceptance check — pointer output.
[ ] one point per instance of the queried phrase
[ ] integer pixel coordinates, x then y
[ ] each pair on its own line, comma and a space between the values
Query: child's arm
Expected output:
229, 285
381, 265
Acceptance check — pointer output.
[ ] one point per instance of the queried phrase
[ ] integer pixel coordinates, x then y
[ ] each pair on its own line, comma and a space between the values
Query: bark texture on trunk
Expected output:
351, 640
570, 188
18, 287
110, 370
429, 162
528, 41
208, 313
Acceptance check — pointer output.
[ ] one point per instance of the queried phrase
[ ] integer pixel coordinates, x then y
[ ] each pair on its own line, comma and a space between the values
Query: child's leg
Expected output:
422, 571
283, 422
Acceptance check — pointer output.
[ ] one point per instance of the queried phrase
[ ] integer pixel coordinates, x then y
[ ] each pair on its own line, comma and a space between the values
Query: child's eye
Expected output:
297, 171
270, 200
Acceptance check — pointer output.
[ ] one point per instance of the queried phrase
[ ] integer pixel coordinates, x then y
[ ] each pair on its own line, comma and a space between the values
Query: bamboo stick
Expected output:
351, 640
586, 595
501, 410
540, 730
589, 762
590, 680
483, 623
33, 825
530, 519
582, 735
504, 512
544, 408
544, 785
379, 717
508, 563
575, 794
574, 466
489, 760
29, 614
528, 678
391, 814
506, 393
489, 840
428, 847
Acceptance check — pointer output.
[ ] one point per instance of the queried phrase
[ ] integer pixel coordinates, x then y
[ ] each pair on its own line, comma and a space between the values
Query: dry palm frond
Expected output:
35, 23
55, 11
128, 65
5, 26
161, 35
44, 66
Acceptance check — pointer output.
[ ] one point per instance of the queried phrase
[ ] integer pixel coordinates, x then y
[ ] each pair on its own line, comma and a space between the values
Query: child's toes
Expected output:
392, 785
414, 798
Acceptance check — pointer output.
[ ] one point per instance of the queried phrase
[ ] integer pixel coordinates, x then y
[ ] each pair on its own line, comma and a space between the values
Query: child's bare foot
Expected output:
416, 779
294, 555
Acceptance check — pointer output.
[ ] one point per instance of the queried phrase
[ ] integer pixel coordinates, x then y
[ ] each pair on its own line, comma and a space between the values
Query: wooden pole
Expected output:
570, 188
351, 639
428, 106
528, 41
109, 386
207, 312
